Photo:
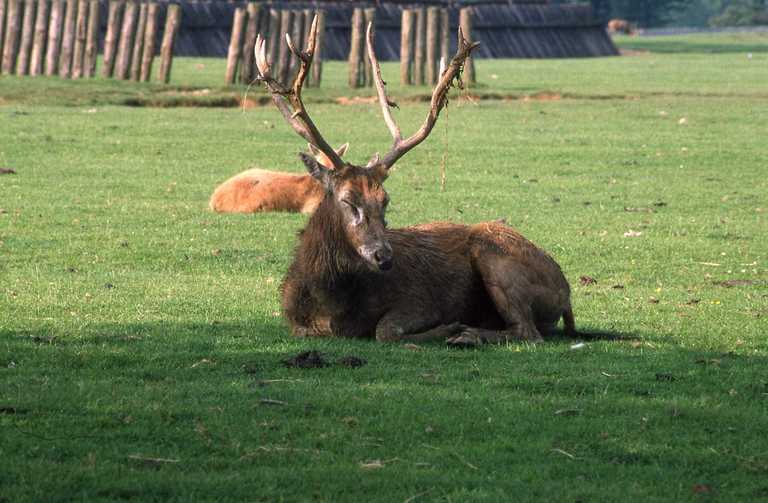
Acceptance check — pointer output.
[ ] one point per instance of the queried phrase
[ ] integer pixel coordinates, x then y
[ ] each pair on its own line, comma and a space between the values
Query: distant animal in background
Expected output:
620, 26
257, 190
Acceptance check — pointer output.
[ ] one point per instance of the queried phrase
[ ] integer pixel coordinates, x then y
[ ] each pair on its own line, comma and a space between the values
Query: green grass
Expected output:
134, 322
708, 43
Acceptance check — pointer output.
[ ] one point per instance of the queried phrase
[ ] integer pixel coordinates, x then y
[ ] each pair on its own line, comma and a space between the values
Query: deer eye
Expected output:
357, 213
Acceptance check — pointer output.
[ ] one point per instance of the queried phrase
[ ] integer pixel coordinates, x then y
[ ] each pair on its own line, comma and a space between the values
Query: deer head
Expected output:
355, 193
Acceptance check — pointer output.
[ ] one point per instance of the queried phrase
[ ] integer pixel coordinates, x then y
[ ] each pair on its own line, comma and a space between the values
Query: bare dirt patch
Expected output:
543, 96
307, 360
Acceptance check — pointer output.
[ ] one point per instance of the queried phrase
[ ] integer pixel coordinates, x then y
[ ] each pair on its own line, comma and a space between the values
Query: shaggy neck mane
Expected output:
323, 248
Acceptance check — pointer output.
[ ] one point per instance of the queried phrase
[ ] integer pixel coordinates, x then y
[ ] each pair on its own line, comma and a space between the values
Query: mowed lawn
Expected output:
141, 341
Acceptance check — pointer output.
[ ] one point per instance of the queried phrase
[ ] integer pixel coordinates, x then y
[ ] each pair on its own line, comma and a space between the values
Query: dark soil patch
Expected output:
7, 171
352, 362
307, 360
11, 410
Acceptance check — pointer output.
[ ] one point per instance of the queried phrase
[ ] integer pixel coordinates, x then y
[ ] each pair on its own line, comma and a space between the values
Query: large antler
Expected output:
288, 100
439, 98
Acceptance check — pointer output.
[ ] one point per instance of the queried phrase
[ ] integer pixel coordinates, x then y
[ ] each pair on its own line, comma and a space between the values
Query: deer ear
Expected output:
342, 150
314, 150
317, 170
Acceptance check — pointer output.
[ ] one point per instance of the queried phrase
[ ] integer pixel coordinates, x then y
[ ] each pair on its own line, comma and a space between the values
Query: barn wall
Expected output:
505, 30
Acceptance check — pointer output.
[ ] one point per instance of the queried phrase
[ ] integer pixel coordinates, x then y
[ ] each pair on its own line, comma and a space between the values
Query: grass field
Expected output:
141, 343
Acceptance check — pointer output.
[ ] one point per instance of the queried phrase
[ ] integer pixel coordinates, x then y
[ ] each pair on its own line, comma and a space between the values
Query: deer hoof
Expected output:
466, 339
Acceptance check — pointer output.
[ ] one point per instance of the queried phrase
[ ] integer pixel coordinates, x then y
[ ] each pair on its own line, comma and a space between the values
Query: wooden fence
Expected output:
425, 40
61, 37
273, 24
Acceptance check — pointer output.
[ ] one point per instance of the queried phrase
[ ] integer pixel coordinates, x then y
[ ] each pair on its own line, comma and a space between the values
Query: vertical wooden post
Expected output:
317, 65
27, 34
465, 24
54, 38
68, 40
433, 31
406, 47
150, 33
297, 38
38, 44
273, 42
284, 57
2, 27
249, 42
10, 45
172, 22
125, 46
92, 39
114, 21
307, 25
370, 17
445, 36
235, 45
356, 79
81, 28
419, 47
138, 43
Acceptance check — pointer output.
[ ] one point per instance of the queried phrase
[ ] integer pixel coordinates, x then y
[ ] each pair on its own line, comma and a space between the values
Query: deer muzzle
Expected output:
379, 255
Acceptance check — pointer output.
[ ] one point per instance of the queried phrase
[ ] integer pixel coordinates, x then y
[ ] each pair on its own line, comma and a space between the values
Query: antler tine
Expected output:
288, 100
381, 89
439, 98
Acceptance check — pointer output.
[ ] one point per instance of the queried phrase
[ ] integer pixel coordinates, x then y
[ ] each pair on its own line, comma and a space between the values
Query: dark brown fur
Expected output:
466, 284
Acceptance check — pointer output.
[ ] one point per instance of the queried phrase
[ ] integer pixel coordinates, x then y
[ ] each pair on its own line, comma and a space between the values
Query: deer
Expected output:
256, 190
352, 276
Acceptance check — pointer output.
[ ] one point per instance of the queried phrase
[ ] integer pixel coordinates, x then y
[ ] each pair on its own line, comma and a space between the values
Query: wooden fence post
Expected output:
150, 32
406, 47
10, 46
38, 44
465, 23
81, 29
356, 78
68, 40
307, 26
125, 46
249, 42
54, 38
92, 39
297, 38
273, 42
433, 47
284, 58
419, 47
138, 43
370, 17
114, 21
172, 22
445, 36
317, 65
2, 27
235, 45
27, 34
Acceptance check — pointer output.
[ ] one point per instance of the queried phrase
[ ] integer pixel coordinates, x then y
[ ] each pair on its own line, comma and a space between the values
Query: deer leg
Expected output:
404, 328
509, 294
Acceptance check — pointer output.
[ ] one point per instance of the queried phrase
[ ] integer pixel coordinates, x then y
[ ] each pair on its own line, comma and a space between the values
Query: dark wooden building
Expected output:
506, 29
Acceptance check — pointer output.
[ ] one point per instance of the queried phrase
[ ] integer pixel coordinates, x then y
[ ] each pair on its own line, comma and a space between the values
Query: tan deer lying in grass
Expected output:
257, 190
353, 277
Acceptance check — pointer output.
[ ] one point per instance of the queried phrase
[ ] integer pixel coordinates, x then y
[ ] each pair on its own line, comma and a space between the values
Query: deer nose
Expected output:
383, 258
